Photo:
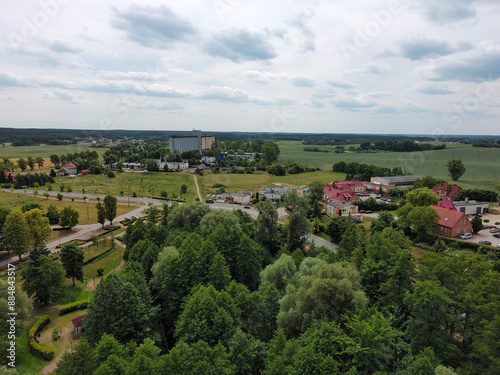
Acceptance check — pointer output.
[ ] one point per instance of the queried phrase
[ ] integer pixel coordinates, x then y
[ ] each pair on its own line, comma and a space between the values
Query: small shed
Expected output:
77, 324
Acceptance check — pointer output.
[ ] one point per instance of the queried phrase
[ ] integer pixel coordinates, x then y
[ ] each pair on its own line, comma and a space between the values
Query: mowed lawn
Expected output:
130, 182
87, 211
482, 164
241, 182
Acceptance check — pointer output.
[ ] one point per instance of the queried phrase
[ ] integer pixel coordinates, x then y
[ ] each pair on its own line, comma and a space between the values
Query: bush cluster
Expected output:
44, 352
70, 307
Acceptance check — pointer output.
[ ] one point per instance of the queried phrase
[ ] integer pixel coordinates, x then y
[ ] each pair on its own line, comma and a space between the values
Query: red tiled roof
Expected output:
347, 184
336, 195
447, 190
449, 218
447, 204
69, 165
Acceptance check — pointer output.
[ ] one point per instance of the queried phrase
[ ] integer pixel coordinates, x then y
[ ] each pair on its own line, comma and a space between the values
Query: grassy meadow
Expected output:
87, 210
241, 182
482, 164
130, 182
45, 152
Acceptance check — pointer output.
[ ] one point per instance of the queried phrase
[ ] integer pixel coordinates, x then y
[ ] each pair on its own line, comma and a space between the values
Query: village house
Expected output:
446, 191
237, 198
68, 169
340, 209
471, 207
452, 223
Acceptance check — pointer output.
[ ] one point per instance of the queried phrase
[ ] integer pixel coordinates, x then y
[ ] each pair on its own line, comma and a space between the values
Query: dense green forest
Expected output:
216, 292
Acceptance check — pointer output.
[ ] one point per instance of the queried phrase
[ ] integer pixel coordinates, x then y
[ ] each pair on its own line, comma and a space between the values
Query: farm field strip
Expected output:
479, 162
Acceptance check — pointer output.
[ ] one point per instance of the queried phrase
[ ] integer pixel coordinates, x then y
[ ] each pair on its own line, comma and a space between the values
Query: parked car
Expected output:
497, 235
485, 242
368, 212
466, 236
494, 230
133, 218
361, 211
498, 245
479, 215
247, 207
389, 200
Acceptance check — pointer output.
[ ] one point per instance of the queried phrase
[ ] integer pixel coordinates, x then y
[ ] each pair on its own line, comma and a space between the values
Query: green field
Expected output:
87, 211
243, 182
45, 152
482, 164
129, 182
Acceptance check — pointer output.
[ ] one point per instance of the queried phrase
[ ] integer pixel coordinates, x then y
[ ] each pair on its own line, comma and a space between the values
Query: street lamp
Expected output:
71, 343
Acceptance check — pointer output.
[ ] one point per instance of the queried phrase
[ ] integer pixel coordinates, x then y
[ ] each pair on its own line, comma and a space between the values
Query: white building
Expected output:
471, 207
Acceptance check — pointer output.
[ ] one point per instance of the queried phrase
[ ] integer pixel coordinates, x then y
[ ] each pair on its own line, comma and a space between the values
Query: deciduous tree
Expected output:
72, 258
16, 233
68, 217
456, 168
110, 206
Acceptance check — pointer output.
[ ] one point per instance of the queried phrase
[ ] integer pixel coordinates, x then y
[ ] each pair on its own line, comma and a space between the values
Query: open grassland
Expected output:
87, 210
246, 182
130, 182
45, 152
482, 164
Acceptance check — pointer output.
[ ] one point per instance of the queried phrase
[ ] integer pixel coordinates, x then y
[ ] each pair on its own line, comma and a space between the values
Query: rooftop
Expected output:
340, 204
464, 203
397, 178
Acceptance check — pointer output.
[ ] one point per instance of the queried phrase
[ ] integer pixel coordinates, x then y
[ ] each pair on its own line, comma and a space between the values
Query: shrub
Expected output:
497, 223
111, 174
486, 220
70, 307
134, 194
55, 334
44, 352
100, 271
59, 196
69, 189
218, 185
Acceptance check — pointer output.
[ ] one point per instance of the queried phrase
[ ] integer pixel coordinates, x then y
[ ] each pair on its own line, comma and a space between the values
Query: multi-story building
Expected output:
196, 141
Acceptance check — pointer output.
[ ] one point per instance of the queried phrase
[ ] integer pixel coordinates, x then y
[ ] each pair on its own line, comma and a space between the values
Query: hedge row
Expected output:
78, 242
78, 305
44, 352
97, 257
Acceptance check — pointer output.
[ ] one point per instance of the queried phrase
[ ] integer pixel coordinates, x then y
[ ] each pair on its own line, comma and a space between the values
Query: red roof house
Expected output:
6, 174
353, 185
67, 169
84, 172
339, 195
452, 223
446, 191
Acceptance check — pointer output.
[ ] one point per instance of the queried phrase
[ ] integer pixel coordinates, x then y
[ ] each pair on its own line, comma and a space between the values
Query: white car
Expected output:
494, 230
466, 236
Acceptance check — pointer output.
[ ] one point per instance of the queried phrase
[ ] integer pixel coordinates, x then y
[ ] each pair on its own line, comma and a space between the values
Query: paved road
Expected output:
84, 232
318, 241
89, 196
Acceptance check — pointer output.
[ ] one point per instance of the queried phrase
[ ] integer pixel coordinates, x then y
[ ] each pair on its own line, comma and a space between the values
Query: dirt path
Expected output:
197, 188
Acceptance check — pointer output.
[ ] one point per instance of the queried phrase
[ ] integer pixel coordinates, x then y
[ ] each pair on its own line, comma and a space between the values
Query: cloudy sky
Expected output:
349, 66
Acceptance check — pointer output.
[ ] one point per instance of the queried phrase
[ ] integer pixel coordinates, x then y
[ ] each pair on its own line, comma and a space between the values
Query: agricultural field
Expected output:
482, 164
45, 152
